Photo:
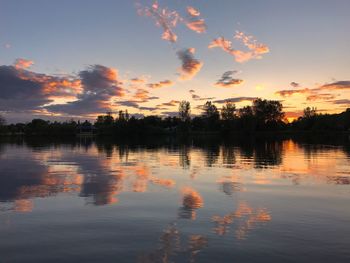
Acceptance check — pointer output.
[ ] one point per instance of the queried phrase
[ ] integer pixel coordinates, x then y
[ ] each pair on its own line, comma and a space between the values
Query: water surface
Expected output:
207, 201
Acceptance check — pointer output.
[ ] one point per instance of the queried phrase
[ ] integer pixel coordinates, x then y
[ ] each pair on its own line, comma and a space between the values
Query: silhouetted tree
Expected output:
228, 111
211, 116
2, 121
310, 112
185, 110
268, 111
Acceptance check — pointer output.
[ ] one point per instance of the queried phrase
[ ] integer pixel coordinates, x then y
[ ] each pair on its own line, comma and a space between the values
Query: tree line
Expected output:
262, 115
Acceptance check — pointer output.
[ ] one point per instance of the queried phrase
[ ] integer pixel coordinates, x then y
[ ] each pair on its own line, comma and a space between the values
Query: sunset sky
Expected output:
78, 59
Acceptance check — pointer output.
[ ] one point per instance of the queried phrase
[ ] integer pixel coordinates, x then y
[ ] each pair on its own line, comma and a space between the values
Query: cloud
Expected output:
99, 84
295, 84
192, 11
7, 45
19, 94
22, 63
164, 18
227, 81
323, 96
313, 93
255, 49
161, 84
169, 104
197, 97
342, 101
148, 108
142, 95
137, 81
23, 90
128, 103
195, 23
338, 85
290, 92
235, 100
190, 66
170, 113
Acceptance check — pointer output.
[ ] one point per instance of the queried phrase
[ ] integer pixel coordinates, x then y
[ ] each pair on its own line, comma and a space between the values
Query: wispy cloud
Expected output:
235, 100
227, 81
290, 92
313, 94
194, 22
255, 49
163, 17
190, 66
338, 85
161, 84
341, 102
171, 103
197, 97
322, 96
137, 81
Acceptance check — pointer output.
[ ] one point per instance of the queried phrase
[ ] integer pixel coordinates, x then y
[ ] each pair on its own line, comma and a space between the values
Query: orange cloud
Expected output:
161, 84
169, 104
197, 25
192, 11
164, 18
323, 96
285, 93
190, 66
22, 63
255, 49
137, 81
194, 22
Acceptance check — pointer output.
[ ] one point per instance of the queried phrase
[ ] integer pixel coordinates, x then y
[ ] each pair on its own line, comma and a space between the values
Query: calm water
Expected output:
245, 201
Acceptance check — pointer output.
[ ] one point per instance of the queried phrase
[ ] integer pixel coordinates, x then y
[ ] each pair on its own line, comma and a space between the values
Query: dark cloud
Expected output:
170, 113
235, 100
341, 102
190, 66
128, 103
99, 85
197, 97
295, 84
227, 81
338, 85
169, 104
148, 108
23, 90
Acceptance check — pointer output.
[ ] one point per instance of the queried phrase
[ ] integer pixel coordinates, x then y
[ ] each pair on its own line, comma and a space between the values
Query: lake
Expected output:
167, 200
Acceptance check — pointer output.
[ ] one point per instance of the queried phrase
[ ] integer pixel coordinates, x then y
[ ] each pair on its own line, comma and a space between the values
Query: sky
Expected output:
79, 59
